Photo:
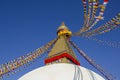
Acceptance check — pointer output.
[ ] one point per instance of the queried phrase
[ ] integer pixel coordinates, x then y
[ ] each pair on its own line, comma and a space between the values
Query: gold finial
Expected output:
62, 24
63, 30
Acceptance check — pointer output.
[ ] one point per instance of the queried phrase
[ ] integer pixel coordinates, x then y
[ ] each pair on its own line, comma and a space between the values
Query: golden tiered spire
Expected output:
62, 51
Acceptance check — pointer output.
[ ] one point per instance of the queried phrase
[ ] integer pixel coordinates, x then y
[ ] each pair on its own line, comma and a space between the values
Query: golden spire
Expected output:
63, 30
62, 51
62, 24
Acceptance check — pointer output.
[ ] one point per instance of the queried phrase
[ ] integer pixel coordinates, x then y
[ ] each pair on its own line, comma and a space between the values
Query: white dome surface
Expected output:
61, 71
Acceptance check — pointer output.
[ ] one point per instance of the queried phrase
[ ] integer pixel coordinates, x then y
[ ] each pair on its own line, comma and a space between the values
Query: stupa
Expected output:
62, 63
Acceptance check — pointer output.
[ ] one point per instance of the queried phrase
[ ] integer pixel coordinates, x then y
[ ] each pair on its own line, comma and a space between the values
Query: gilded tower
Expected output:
62, 51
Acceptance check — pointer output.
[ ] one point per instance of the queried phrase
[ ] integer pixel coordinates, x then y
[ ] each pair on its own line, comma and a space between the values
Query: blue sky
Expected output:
25, 25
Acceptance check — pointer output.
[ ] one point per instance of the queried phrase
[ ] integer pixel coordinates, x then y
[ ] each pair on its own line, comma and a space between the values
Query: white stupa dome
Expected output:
61, 71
